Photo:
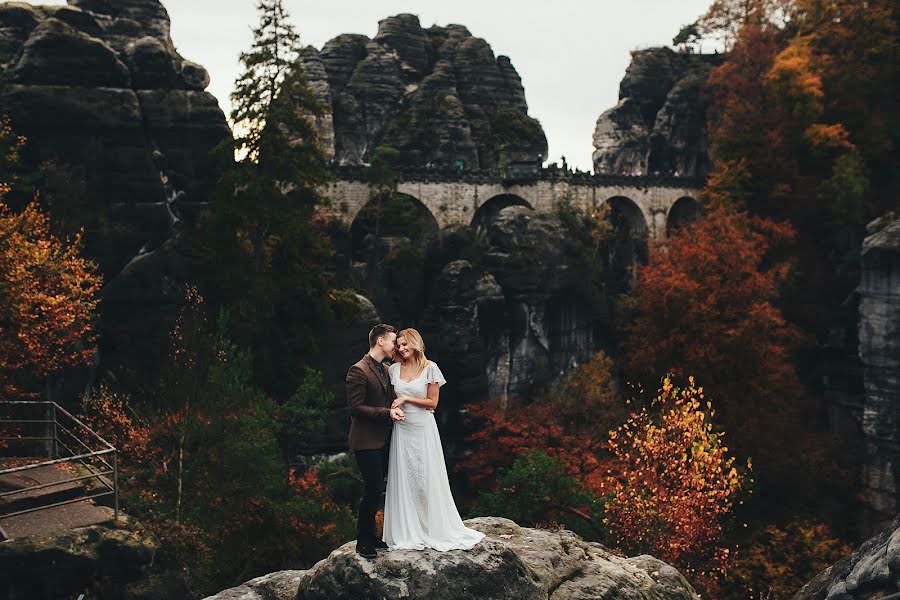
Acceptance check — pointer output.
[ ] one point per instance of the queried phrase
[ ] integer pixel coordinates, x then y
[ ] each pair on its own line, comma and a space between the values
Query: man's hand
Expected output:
397, 414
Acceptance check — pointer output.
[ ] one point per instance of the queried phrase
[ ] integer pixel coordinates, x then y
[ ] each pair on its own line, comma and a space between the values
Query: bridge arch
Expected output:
487, 211
390, 216
683, 212
627, 245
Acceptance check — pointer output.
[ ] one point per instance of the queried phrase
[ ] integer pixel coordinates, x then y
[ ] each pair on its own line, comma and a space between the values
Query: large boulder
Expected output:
872, 571
512, 562
58, 54
64, 564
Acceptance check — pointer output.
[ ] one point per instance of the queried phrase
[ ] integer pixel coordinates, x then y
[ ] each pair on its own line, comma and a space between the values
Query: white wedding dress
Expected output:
419, 511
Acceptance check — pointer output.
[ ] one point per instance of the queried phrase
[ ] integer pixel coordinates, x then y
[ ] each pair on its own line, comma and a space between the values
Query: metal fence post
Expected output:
115, 459
55, 432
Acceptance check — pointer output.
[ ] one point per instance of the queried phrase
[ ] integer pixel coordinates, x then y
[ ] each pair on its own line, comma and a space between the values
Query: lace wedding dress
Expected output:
419, 511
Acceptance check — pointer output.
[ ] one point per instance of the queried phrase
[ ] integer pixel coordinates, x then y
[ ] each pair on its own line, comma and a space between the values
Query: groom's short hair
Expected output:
378, 331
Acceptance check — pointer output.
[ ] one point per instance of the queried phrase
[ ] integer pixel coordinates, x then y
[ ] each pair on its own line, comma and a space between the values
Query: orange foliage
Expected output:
677, 486
47, 303
705, 305
796, 82
108, 413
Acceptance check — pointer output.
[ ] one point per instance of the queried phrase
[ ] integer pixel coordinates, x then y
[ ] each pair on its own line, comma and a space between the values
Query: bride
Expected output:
419, 511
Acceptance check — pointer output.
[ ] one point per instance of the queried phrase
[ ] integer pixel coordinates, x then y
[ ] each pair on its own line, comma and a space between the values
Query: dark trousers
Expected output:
373, 465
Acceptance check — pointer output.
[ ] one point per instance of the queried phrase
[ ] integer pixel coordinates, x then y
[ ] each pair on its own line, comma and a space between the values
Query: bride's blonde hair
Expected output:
414, 341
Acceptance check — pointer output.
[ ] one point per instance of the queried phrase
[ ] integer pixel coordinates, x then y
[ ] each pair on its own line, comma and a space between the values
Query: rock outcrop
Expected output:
658, 124
549, 326
871, 571
879, 352
64, 564
98, 87
512, 562
439, 95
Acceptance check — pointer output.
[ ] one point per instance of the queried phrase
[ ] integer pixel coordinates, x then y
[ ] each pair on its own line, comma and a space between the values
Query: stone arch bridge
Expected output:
650, 205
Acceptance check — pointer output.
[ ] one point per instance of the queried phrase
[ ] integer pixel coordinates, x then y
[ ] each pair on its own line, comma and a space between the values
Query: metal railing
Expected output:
60, 438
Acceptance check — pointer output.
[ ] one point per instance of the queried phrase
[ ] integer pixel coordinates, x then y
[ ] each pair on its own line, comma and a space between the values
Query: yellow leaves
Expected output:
796, 82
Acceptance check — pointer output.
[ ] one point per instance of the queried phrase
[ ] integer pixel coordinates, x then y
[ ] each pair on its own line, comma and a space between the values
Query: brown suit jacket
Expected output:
369, 397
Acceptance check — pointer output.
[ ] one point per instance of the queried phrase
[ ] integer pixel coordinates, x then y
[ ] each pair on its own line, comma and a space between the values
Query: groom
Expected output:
369, 397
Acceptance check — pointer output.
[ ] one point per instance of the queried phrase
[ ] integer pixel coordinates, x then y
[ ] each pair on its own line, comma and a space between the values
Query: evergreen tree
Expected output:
263, 253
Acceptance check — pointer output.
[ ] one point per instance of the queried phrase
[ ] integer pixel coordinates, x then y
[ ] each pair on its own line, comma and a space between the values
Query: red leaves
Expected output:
48, 300
706, 304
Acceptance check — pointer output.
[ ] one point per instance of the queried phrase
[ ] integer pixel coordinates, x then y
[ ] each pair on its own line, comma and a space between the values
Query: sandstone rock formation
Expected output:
879, 351
871, 571
512, 562
98, 86
439, 95
658, 124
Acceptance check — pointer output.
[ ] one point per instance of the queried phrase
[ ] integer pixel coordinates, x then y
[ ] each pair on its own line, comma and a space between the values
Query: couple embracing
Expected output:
393, 432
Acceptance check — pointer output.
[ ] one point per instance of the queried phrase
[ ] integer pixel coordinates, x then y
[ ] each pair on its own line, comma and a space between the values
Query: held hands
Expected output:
397, 413
398, 402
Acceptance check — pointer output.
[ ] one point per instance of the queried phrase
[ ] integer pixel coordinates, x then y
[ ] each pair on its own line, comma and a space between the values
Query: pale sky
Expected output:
570, 54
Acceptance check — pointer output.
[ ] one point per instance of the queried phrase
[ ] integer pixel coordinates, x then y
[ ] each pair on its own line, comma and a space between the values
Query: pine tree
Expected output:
262, 251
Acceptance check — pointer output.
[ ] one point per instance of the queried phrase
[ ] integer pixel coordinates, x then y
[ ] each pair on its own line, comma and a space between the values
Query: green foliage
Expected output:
536, 491
587, 232
341, 479
688, 34
259, 247
381, 174
512, 130
215, 471
303, 414
846, 190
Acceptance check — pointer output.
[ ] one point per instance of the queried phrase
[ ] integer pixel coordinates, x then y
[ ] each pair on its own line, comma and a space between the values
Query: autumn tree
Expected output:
706, 304
677, 484
48, 291
569, 421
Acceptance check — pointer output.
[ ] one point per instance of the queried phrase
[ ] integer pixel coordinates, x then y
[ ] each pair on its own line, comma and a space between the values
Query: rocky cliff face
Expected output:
439, 95
879, 351
503, 307
512, 562
658, 124
98, 87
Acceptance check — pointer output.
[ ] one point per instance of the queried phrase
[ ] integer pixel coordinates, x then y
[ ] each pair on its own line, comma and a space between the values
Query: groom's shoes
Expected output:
380, 545
366, 549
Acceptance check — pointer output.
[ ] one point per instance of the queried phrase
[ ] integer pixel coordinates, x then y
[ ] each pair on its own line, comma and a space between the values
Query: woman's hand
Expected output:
398, 402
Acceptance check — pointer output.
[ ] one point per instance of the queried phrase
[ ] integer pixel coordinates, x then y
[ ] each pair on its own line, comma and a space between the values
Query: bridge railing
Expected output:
518, 176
